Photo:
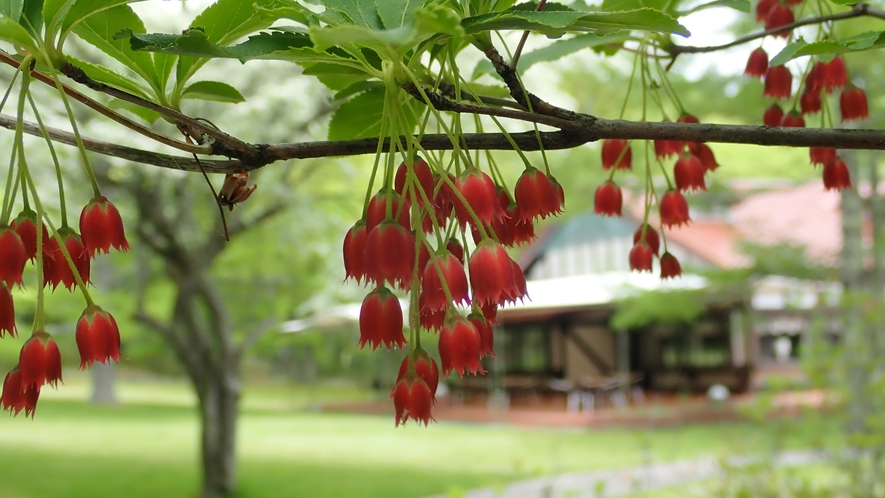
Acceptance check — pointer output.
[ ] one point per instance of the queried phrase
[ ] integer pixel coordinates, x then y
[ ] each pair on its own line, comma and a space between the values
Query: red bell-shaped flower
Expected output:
490, 312
703, 152
486, 336
836, 176
25, 225
536, 195
15, 398
429, 319
101, 227
608, 200
645, 233
13, 256
757, 63
422, 175
689, 173
387, 205
98, 338
815, 79
459, 345
355, 251
835, 74
415, 388
763, 8
39, 361
444, 272
773, 115
390, 254
822, 155
809, 101
688, 118
616, 152
779, 15
7, 312
57, 269
491, 273
381, 320
778, 82
793, 119
670, 267
424, 366
853, 104
674, 209
481, 194
667, 148
641, 257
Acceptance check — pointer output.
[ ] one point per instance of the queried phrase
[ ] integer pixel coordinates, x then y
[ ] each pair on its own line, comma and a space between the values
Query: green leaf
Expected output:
12, 9
828, 49
224, 22
360, 117
555, 24
266, 43
193, 43
557, 50
359, 12
99, 29
844, 2
286, 9
438, 19
358, 87
145, 114
381, 40
32, 15
109, 77
622, 5
83, 9
738, 5
396, 13
215, 91
55, 8
14, 33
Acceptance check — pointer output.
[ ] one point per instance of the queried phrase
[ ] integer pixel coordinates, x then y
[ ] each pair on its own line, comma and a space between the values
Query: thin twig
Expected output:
109, 113
859, 10
525, 36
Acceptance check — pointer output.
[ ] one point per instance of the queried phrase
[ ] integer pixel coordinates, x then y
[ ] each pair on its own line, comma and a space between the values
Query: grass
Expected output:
148, 447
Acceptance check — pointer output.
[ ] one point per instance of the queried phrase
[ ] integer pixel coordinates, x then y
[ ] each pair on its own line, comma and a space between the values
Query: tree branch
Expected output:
596, 129
128, 153
858, 10
257, 333
104, 111
441, 103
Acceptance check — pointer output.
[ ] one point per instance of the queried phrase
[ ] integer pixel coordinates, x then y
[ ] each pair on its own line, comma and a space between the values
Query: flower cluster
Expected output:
693, 161
413, 238
821, 79
64, 259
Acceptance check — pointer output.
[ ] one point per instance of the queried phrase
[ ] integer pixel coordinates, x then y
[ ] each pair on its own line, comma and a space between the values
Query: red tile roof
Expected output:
805, 215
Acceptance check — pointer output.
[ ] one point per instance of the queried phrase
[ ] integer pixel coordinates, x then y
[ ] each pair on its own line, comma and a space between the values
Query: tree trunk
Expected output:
104, 390
219, 399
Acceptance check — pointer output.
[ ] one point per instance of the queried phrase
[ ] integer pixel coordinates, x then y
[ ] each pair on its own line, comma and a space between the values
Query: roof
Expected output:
806, 215
712, 240
555, 296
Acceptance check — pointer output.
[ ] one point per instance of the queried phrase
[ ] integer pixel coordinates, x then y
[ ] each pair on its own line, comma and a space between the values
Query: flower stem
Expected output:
80, 146
61, 186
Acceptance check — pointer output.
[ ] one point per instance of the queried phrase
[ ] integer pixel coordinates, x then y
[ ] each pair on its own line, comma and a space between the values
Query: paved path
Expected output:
620, 482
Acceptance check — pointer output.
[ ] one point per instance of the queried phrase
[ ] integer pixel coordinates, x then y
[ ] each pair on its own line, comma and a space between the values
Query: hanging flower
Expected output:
616, 153
98, 338
670, 267
608, 200
757, 63
101, 227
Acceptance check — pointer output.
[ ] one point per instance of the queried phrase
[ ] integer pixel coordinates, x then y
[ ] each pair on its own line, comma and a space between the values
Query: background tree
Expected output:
398, 72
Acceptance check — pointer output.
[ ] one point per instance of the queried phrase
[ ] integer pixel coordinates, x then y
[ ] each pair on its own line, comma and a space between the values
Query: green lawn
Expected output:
147, 447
